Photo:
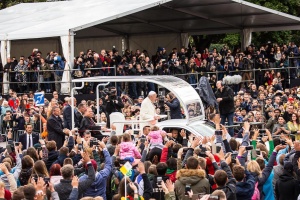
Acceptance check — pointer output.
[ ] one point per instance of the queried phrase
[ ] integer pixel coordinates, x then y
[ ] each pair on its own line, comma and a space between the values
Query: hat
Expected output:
290, 99
37, 145
94, 164
127, 159
7, 194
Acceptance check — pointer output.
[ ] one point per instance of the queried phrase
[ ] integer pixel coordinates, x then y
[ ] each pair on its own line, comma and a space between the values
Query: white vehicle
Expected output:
185, 93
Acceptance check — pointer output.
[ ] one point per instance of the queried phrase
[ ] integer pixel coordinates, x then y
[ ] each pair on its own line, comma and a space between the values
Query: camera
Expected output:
262, 132
282, 142
249, 148
143, 140
94, 142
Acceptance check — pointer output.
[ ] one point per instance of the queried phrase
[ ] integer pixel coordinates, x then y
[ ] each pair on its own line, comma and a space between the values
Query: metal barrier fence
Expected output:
36, 82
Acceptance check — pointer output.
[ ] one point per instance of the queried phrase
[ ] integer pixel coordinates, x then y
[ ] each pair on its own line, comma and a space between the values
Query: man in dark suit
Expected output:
55, 128
79, 114
67, 114
28, 139
88, 123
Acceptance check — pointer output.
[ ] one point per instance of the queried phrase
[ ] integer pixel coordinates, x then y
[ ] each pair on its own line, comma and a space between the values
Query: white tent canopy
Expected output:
135, 24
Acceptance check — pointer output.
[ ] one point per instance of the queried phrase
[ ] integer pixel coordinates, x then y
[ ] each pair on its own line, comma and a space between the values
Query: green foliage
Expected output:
281, 37
231, 40
8, 3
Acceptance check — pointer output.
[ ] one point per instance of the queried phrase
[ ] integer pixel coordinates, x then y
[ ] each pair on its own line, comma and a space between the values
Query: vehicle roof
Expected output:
179, 122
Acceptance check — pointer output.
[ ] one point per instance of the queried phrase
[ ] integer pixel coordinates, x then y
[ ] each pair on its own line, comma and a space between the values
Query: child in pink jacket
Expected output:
128, 149
156, 140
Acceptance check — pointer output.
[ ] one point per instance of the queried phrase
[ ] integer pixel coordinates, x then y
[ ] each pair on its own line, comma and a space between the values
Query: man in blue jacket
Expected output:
245, 183
98, 187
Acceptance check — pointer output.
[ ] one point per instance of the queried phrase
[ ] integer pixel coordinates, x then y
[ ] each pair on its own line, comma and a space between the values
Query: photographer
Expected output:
173, 105
113, 103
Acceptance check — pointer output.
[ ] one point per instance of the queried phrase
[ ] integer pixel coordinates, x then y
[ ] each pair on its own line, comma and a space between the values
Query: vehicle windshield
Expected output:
204, 129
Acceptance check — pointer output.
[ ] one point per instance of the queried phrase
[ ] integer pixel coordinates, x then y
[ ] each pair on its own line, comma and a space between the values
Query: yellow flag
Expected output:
126, 168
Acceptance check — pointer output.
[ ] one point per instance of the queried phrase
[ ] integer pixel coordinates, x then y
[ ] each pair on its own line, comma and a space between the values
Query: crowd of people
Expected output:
44, 72
49, 155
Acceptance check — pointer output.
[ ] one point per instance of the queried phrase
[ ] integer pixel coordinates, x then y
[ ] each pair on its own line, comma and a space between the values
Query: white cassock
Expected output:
147, 112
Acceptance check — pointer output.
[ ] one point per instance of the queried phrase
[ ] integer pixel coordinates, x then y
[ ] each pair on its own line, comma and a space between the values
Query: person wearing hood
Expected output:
128, 149
98, 187
193, 177
287, 187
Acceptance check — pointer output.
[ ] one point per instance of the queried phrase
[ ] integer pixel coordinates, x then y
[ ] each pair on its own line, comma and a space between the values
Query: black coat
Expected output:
287, 187
67, 115
23, 140
226, 106
55, 130
88, 124
175, 110
52, 157
78, 119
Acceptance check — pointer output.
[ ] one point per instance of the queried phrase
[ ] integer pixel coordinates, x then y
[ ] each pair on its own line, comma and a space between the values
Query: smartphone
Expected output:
80, 147
212, 197
218, 132
17, 144
257, 152
9, 149
159, 180
187, 189
233, 157
249, 148
47, 180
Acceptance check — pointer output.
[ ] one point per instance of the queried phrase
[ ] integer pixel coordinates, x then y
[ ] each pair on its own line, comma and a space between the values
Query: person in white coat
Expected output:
147, 112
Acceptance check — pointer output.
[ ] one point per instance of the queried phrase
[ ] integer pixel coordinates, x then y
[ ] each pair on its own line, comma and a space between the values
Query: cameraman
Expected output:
113, 103
174, 106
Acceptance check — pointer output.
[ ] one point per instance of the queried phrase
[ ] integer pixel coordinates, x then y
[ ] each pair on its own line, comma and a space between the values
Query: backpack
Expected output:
256, 194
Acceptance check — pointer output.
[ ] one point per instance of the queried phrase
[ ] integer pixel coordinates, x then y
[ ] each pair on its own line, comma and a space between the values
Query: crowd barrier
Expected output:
36, 82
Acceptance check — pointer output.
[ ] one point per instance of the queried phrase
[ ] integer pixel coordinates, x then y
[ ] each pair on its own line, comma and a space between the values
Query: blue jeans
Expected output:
192, 80
229, 118
133, 91
151, 87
